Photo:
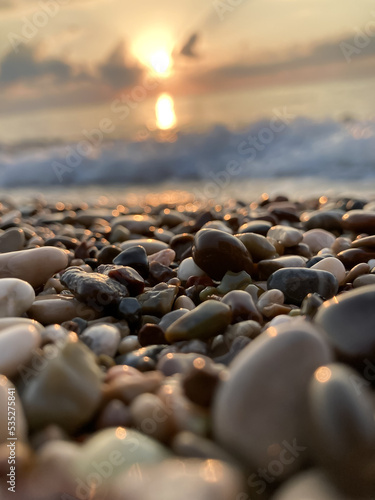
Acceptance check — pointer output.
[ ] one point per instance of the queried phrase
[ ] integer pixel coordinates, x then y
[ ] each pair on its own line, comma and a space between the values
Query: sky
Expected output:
57, 56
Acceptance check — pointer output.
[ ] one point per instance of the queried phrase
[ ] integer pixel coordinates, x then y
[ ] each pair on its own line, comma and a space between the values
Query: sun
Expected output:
154, 50
160, 61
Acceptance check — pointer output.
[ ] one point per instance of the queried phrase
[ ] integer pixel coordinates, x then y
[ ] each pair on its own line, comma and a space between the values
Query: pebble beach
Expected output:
174, 348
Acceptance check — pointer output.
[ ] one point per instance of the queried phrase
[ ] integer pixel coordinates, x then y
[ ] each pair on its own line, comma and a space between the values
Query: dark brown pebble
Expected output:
359, 221
160, 273
134, 257
354, 256
129, 277
182, 244
108, 253
259, 227
151, 334
217, 252
200, 382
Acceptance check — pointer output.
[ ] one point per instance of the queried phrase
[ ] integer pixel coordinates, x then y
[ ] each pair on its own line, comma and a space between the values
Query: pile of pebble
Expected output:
188, 351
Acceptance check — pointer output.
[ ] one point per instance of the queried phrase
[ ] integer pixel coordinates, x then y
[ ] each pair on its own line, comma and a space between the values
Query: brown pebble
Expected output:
356, 271
127, 388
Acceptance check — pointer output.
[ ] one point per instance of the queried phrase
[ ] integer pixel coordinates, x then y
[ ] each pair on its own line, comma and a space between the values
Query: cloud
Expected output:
31, 81
326, 59
25, 65
117, 72
188, 49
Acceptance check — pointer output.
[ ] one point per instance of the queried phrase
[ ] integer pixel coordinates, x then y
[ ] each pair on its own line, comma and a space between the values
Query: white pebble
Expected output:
334, 266
17, 346
270, 297
188, 268
16, 296
102, 339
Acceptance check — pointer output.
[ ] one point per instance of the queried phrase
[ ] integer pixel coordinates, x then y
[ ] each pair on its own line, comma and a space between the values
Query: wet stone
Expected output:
334, 266
143, 359
183, 302
359, 221
365, 242
17, 345
294, 351
312, 484
182, 244
329, 220
316, 239
16, 296
35, 266
188, 444
301, 249
151, 246
242, 306
130, 310
258, 227
102, 339
296, 283
258, 246
108, 253
189, 268
200, 383
311, 304
217, 252
49, 309
114, 414
74, 371
192, 478
119, 234
118, 444
233, 281
12, 240
128, 344
356, 271
171, 317
365, 279
207, 320
95, 289
355, 256
164, 257
173, 363
160, 273
144, 408
268, 266
349, 322
285, 235
128, 277
134, 257
151, 334
158, 301
248, 328
342, 428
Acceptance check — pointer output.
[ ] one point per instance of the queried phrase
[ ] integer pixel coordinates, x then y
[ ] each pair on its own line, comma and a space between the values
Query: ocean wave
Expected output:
265, 149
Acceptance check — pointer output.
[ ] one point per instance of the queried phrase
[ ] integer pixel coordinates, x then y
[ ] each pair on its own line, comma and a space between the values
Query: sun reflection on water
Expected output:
165, 114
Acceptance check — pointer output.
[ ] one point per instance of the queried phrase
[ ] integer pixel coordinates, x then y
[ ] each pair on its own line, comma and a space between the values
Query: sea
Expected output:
297, 142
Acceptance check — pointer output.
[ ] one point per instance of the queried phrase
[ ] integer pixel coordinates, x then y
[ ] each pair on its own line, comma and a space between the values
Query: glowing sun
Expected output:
160, 61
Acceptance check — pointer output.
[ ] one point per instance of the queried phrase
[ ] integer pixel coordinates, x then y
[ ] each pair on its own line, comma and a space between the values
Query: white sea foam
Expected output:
304, 148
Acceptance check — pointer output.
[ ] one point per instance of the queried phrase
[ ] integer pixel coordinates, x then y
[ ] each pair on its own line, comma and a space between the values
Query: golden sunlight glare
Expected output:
165, 115
160, 61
